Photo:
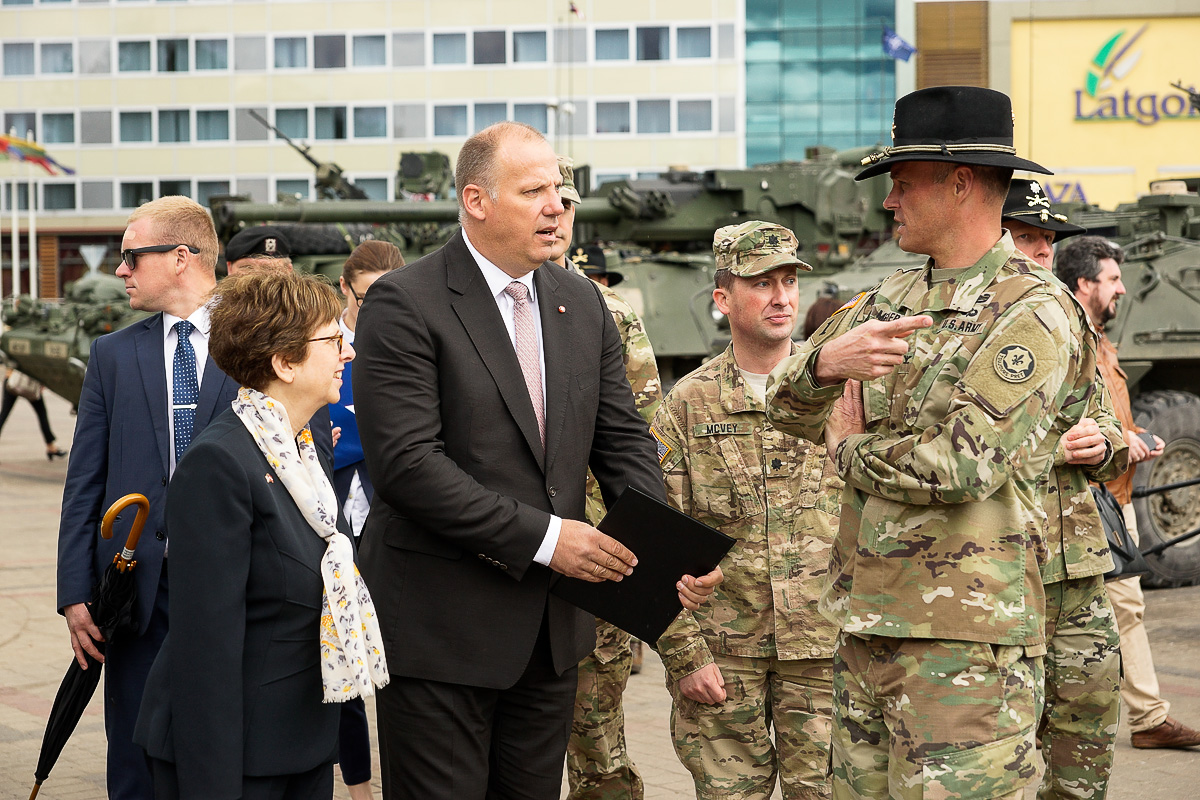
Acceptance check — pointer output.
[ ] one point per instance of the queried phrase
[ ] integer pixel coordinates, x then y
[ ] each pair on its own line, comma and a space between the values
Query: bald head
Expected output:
479, 158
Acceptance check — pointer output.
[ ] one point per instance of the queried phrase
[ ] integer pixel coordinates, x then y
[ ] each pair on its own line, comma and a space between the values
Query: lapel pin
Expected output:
269, 478
562, 309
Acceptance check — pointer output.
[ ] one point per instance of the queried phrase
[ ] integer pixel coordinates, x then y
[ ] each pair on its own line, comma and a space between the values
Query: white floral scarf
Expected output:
352, 659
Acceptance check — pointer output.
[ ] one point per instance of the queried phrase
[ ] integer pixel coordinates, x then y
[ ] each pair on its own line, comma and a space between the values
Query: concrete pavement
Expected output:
34, 654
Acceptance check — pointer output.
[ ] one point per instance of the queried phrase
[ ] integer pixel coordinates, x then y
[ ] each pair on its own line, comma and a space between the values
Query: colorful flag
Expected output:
18, 149
575, 10
895, 47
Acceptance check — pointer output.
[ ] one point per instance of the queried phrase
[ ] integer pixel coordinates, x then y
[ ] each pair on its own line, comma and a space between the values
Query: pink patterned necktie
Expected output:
527, 351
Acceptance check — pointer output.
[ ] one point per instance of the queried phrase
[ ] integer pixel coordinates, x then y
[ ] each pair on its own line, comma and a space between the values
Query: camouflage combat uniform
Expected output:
1083, 663
778, 497
934, 577
598, 763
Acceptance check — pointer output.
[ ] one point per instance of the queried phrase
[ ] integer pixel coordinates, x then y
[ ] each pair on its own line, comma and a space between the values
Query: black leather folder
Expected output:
668, 544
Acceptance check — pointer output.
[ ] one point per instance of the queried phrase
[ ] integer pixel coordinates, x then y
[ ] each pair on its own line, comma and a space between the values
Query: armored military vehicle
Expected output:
50, 340
1157, 332
657, 232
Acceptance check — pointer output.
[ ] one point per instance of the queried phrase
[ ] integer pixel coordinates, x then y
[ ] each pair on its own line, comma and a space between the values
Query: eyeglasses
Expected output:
357, 297
337, 337
130, 256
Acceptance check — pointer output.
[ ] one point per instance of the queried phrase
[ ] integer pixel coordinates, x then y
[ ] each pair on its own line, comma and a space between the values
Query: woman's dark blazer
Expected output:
236, 688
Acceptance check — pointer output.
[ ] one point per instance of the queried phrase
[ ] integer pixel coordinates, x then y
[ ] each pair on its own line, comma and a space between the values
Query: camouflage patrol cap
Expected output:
568, 191
755, 247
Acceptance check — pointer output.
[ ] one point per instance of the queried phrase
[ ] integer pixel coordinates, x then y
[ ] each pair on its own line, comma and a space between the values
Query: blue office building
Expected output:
816, 74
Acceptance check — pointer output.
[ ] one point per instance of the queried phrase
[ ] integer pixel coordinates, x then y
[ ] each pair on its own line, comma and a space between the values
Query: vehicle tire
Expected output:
315, 240
1174, 417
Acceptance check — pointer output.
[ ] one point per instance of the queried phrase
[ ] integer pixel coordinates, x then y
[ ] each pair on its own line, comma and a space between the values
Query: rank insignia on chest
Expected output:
1015, 363
721, 428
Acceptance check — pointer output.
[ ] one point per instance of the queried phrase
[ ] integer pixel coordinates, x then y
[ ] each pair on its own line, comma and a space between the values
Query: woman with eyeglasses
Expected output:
272, 628
369, 262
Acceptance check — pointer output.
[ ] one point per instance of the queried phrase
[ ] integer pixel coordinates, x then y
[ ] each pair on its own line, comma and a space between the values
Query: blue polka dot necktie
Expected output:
185, 391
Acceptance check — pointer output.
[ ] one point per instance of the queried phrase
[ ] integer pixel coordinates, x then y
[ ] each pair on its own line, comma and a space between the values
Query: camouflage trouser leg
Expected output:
934, 719
728, 747
1083, 665
598, 763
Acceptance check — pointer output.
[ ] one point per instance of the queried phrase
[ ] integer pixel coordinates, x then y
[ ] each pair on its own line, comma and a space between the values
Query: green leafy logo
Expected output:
1113, 61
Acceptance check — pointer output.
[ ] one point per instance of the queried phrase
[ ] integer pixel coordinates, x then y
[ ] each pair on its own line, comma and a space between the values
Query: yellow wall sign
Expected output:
1093, 101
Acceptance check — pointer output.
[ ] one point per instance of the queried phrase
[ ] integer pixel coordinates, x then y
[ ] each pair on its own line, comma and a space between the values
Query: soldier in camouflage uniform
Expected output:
1083, 663
598, 762
758, 656
967, 363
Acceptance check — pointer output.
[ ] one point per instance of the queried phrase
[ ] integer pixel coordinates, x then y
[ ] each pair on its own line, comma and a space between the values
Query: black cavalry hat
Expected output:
1026, 202
590, 258
258, 241
959, 124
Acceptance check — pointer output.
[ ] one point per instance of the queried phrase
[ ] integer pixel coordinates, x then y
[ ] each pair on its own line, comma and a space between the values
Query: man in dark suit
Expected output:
128, 438
479, 483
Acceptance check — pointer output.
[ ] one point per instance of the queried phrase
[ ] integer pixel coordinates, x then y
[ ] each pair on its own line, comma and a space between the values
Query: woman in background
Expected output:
272, 628
367, 264
369, 261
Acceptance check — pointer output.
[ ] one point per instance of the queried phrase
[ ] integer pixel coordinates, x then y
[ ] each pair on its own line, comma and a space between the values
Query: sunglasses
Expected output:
130, 256
337, 337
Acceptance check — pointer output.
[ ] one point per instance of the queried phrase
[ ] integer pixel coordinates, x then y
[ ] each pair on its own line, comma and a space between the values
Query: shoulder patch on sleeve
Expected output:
664, 449
1007, 371
852, 302
1015, 363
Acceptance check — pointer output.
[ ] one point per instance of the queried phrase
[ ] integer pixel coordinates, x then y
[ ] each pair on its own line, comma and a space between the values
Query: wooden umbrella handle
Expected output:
135, 532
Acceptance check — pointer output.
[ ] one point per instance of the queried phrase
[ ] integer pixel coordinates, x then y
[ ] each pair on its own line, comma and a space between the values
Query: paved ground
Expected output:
34, 653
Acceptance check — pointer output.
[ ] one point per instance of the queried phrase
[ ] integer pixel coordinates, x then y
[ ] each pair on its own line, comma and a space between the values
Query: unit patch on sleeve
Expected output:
1015, 363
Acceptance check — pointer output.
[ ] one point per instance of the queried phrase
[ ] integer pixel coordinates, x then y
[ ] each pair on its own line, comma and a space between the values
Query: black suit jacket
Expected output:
122, 444
463, 488
236, 687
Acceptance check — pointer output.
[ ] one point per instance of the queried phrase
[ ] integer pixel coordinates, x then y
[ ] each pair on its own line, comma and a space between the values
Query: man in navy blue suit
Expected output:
147, 391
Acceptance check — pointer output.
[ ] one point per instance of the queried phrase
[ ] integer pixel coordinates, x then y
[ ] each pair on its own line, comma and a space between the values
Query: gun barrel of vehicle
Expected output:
301, 150
590, 210
1146, 491
1158, 548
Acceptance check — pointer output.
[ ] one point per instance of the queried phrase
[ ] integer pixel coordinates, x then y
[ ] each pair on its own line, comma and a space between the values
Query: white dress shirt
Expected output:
497, 281
357, 506
199, 340
757, 383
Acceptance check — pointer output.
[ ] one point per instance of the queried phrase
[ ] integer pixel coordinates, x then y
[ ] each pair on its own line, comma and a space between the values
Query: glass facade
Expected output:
816, 74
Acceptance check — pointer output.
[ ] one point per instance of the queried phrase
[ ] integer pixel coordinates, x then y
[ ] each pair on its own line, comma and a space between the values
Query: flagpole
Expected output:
14, 236
882, 84
33, 253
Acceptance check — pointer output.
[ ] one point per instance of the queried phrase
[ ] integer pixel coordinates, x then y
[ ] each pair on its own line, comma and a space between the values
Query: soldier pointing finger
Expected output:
968, 363
868, 351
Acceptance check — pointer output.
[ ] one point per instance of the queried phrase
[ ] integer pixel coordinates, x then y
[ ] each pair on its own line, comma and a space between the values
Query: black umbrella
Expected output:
112, 611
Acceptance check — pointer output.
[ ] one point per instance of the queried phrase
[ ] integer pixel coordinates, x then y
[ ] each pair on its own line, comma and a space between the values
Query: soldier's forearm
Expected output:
795, 404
